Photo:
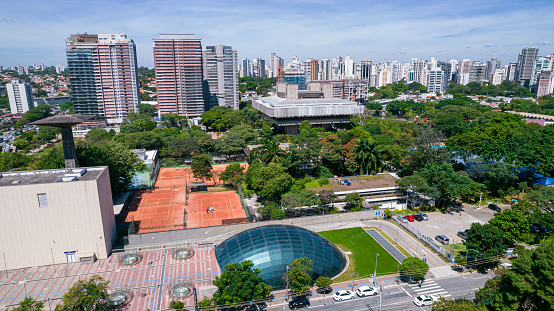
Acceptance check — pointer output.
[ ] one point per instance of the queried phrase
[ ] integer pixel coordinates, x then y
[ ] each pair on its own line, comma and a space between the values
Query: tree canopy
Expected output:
89, 294
240, 282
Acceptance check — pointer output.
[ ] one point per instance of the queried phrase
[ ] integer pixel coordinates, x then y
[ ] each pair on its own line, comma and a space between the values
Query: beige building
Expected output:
55, 216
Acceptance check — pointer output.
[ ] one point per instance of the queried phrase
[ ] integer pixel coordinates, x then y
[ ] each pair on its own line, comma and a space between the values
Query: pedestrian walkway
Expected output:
386, 245
429, 288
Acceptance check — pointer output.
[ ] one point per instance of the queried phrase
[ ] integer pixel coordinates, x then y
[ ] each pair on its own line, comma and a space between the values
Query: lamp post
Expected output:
5, 265
287, 284
375, 272
480, 196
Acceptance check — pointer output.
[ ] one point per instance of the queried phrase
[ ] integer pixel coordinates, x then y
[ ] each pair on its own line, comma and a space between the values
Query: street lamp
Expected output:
287, 284
375, 272
480, 196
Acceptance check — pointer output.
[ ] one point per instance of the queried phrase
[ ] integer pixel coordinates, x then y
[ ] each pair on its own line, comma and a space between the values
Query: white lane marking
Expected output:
417, 290
436, 291
402, 288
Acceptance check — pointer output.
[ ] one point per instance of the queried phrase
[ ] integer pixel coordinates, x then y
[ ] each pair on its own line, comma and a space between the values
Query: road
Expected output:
400, 297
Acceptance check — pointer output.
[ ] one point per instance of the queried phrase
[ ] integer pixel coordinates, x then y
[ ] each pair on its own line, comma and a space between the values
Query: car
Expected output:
423, 215
401, 218
534, 229
443, 239
463, 234
299, 302
495, 208
418, 217
540, 228
409, 217
423, 300
365, 291
343, 295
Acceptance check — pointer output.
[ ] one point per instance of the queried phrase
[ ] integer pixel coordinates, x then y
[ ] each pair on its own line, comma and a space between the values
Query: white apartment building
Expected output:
20, 95
222, 77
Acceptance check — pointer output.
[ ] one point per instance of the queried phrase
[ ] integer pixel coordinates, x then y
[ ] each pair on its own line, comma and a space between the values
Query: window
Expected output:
42, 201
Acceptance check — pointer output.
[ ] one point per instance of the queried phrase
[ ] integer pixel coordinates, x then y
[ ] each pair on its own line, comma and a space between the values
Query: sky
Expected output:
33, 32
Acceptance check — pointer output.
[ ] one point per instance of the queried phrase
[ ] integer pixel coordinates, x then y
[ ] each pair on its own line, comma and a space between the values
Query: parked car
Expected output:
423, 300
401, 218
423, 215
365, 291
343, 295
418, 217
443, 239
299, 302
495, 208
538, 228
463, 234
409, 217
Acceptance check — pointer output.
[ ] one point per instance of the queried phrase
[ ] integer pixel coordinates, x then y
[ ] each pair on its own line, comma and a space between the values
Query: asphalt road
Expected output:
400, 297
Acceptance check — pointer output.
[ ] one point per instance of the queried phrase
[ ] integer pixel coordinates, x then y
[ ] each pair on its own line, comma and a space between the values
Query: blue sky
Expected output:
35, 31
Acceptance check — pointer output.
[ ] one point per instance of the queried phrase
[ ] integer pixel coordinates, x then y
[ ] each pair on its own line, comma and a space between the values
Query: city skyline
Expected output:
396, 30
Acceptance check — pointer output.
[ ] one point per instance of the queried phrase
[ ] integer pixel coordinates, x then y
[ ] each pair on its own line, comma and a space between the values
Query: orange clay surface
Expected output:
163, 209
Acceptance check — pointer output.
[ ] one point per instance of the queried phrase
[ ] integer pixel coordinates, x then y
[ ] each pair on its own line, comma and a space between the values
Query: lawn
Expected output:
315, 184
458, 248
363, 248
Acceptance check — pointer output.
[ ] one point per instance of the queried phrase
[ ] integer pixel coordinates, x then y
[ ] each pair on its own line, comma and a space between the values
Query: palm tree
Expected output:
368, 156
270, 152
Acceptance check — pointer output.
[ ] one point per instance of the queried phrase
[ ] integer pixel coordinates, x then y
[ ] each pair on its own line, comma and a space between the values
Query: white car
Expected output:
343, 295
365, 291
423, 300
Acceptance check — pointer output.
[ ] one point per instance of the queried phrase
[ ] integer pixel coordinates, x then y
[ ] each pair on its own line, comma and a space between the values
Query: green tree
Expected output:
298, 276
456, 305
413, 184
239, 282
414, 267
543, 197
270, 152
233, 174
445, 183
269, 181
514, 224
368, 157
354, 200
302, 198
487, 239
176, 305
266, 131
201, 166
95, 135
323, 282
89, 294
29, 304
529, 285
146, 109
13, 160
183, 147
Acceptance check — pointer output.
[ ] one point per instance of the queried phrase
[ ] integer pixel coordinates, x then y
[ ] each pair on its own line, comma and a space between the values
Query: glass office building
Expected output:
271, 248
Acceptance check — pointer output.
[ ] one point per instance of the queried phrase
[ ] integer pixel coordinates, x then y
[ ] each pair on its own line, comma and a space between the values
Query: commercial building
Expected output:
295, 76
179, 74
477, 72
511, 72
55, 216
436, 81
103, 74
464, 71
287, 115
221, 87
272, 248
545, 83
525, 66
20, 95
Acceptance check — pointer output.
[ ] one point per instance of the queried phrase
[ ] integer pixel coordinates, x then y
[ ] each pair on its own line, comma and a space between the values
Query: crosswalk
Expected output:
430, 287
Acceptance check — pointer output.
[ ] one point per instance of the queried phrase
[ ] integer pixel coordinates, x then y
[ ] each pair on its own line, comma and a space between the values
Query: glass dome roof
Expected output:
271, 248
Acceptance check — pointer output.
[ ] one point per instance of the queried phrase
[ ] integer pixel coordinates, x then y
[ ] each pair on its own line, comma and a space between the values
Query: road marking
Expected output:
402, 288
425, 288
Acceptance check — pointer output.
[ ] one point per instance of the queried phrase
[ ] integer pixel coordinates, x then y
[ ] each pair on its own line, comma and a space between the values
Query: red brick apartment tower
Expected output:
178, 65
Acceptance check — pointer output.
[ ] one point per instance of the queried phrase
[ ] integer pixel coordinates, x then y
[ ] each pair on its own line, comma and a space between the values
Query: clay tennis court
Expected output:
227, 209
176, 177
157, 210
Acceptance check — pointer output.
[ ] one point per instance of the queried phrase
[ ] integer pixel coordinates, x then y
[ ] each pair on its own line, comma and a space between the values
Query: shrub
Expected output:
323, 181
323, 282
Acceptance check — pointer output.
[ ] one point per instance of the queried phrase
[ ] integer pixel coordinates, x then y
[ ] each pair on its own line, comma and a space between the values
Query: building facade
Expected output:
436, 81
525, 66
221, 77
179, 74
103, 75
20, 96
55, 216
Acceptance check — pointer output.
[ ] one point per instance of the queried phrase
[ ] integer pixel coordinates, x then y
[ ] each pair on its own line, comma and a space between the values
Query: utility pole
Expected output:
375, 272
480, 196
380, 295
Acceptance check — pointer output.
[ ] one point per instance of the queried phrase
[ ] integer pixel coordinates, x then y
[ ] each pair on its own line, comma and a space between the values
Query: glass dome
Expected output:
271, 248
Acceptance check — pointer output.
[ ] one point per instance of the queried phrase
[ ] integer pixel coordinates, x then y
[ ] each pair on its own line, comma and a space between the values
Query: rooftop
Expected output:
277, 107
63, 120
50, 176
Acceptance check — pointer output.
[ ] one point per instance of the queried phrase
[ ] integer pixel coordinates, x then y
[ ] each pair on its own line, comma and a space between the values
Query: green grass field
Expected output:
458, 248
363, 248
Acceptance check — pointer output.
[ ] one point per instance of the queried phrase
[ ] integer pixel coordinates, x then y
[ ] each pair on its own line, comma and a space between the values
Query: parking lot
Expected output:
449, 224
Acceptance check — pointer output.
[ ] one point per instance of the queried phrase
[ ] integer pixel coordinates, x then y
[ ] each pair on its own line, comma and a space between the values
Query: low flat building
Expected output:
287, 115
55, 216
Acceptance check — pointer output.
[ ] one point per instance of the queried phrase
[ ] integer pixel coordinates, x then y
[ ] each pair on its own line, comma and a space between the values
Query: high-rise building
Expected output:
436, 81
349, 66
221, 85
246, 72
366, 69
178, 66
511, 72
498, 76
491, 67
525, 66
20, 70
314, 70
59, 69
20, 96
477, 72
545, 83
541, 64
103, 74
463, 71
274, 62
258, 68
